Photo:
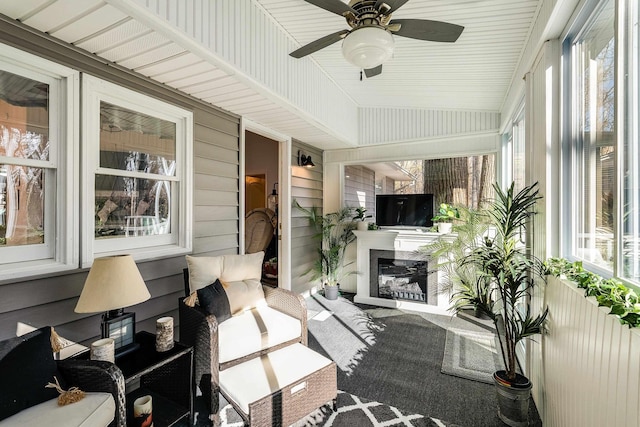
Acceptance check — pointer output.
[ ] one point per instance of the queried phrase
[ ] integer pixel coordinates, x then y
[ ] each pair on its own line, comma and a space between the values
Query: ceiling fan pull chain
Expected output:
360, 75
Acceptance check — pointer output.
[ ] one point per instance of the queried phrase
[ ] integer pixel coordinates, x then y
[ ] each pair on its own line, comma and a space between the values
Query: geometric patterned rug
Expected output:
352, 411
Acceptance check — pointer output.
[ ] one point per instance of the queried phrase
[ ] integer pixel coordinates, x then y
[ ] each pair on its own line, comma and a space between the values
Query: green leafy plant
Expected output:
449, 252
446, 213
361, 214
505, 272
335, 232
622, 301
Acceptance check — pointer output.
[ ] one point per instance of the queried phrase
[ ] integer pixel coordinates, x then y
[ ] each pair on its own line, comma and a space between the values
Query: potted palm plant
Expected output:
449, 250
506, 273
445, 216
335, 232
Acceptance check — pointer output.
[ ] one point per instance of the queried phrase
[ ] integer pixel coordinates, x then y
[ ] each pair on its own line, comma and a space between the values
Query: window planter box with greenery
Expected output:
622, 301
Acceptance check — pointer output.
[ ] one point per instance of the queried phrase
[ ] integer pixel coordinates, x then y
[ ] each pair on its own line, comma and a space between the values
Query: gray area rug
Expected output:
470, 354
395, 357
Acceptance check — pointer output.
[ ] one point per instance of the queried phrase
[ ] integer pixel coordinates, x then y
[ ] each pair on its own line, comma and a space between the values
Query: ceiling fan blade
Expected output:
393, 5
334, 6
424, 29
319, 44
372, 72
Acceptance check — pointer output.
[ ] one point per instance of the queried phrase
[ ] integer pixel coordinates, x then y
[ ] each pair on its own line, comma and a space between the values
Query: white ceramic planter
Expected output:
444, 227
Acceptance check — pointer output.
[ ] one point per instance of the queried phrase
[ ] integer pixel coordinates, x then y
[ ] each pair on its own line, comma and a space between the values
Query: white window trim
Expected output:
59, 252
179, 241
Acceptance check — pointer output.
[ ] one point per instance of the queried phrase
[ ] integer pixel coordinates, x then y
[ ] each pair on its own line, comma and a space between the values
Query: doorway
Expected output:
262, 222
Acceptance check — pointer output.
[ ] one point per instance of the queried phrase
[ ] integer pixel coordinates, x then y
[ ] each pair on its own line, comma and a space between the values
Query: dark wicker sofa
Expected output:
201, 331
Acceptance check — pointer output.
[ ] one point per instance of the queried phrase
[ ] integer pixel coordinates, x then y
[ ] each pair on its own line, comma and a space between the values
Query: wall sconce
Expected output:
304, 160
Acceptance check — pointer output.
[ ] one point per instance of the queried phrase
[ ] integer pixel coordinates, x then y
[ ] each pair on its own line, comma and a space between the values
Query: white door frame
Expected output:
284, 195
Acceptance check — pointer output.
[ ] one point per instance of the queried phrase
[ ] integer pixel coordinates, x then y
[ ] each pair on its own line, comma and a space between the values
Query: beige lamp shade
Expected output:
113, 282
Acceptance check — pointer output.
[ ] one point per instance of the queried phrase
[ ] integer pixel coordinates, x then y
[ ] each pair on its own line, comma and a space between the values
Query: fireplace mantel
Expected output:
401, 240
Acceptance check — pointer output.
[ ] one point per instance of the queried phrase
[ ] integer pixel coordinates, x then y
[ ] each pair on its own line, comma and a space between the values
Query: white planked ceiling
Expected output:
473, 74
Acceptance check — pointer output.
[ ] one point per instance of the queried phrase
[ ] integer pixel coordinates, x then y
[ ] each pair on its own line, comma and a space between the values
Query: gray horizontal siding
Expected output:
360, 180
306, 189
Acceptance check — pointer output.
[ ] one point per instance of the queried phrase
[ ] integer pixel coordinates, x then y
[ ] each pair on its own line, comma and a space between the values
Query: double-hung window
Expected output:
136, 152
38, 153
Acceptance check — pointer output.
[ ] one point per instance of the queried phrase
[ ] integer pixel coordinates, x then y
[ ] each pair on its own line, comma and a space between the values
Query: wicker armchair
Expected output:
201, 331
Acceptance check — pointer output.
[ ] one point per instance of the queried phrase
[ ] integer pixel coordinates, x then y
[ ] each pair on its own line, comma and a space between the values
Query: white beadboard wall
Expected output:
591, 363
221, 26
383, 125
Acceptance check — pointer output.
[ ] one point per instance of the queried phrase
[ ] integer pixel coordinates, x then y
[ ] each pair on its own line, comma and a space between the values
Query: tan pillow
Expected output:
242, 267
203, 271
243, 295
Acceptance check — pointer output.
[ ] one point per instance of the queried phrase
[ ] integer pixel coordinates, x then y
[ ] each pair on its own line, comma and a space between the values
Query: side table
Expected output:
166, 376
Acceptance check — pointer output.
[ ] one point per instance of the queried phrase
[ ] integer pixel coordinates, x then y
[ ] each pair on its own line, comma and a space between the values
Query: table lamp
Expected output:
113, 283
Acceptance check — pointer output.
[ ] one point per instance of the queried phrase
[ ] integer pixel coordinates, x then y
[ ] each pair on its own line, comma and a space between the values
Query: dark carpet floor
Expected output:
395, 357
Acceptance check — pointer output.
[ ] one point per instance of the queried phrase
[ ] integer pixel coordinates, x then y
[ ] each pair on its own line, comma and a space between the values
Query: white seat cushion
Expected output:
250, 381
255, 330
96, 409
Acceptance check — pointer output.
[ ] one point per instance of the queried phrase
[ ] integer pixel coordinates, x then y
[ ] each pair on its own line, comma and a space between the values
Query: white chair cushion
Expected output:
255, 330
96, 409
250, 381
203, 271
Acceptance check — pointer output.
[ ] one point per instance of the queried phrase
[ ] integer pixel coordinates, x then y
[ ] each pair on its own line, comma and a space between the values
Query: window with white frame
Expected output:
629, 247
604, 147
137, 180
37, 148
594, 139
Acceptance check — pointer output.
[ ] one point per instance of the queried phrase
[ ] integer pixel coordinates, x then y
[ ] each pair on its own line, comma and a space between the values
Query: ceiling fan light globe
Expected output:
367, 47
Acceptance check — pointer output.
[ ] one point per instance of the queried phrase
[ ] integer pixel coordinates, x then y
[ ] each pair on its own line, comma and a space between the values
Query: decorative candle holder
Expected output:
143, 411
164, 333
103, 349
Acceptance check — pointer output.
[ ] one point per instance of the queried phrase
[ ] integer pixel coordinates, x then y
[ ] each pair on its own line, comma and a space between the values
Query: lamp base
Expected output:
121, 327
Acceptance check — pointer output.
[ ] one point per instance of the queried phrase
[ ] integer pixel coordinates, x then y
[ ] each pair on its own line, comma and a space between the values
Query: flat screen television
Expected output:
404, 210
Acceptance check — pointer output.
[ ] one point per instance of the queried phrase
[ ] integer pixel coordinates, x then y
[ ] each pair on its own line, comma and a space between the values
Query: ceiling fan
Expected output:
369, 42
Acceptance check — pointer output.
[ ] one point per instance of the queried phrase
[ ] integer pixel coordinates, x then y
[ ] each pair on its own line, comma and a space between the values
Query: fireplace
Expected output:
402, 275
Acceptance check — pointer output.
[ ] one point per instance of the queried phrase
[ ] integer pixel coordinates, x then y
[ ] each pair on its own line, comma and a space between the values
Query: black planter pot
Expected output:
513, 399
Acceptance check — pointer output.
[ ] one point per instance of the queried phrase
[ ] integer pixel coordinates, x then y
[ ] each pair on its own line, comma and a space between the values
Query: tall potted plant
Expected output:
335, 232
507, 273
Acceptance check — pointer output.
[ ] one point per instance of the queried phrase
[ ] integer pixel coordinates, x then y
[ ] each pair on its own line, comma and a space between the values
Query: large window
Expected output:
137, 151
604, 144
595, 138
35, 177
